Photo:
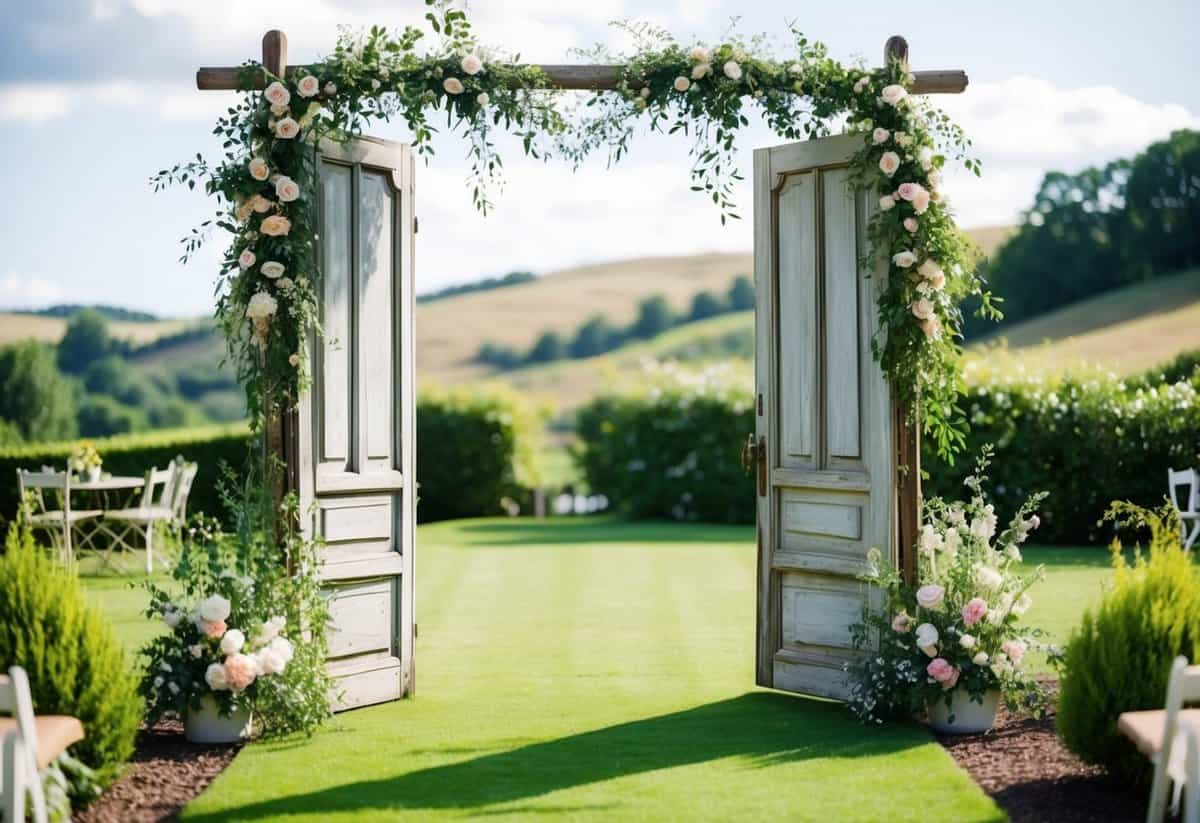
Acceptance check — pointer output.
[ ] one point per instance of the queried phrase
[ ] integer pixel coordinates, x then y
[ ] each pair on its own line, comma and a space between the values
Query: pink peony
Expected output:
240, 671
213, 628
930, 596
909, 191
974, 611
911, 224
941, 671
921, 202
1015, 650
901, 622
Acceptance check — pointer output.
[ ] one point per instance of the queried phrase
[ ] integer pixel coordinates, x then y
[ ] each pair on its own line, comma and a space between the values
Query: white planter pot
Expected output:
970, 717
208, 725
93, 475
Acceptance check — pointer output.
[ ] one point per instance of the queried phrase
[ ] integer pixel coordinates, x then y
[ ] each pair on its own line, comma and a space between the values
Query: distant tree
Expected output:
594, 337
102, 416
1162, 207
171, 413
85, 341
706, 304
654, 317
741, 294
113, 376
35, 398
500, 356
548, 348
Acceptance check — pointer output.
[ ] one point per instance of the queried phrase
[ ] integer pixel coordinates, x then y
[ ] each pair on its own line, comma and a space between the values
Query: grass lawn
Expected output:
596, 668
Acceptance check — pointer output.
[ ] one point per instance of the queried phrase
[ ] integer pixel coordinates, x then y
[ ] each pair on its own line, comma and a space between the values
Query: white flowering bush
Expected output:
959, 625
244, 626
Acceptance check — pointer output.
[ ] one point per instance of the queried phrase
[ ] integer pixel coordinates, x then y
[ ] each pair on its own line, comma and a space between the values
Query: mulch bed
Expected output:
164, 775
1026, 769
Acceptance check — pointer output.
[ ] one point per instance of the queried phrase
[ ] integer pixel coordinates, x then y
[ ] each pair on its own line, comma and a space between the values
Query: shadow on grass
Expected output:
763, 727
528, 532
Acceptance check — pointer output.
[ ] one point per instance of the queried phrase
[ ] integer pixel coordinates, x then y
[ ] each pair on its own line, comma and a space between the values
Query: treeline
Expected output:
1087, 233
598, 336
487, 284
115, 313
90, 385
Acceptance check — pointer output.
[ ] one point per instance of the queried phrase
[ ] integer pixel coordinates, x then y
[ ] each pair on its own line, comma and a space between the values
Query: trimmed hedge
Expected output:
672, 452
1086, 442
133, 454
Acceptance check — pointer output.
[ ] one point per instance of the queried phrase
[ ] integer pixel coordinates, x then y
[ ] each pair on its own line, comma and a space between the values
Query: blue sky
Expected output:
96, 95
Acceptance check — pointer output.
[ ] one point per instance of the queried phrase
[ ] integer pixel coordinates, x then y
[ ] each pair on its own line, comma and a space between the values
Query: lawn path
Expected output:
597, 670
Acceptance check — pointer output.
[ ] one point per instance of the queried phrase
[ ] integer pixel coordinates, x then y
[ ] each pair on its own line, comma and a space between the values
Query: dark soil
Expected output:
163, 776
1026, 769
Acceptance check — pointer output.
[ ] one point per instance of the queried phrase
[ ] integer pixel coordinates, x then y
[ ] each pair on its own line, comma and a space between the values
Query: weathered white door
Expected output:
356, 428
826, 467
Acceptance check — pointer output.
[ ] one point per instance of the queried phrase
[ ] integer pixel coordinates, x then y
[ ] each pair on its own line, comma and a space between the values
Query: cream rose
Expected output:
880, 135
308, 86
259, 169
911, 224
893, 94
921, 309
286, 189
889, 162
682, 84
246, 259
482, 98
925, 157
887, 202
699, 72
732, 70
472, 65
276, 226
277, 94
861, 84
904, 259
287, 128
260, 307
452, 85
930, 596
214, 675
233, 641
214, 608
920, 201
698, 54
271, 269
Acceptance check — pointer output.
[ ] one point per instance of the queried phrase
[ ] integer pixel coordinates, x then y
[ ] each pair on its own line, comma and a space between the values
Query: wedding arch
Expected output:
859, 272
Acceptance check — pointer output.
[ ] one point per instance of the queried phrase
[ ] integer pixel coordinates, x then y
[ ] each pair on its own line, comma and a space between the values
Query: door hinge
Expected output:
416, 224
416, 629
760, 454
760, 404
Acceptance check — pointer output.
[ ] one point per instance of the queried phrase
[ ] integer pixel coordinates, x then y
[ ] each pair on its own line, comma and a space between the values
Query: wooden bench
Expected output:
28, 744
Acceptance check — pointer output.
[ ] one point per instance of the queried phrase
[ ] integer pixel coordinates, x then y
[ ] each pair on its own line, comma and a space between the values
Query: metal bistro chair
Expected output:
166, 506
1190, 511
60, 523
28, 743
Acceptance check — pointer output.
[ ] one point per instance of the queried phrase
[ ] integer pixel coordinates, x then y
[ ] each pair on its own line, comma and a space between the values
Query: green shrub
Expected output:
1087, 441
1119, 657
672, 452
74, 662
134, 454
472, 450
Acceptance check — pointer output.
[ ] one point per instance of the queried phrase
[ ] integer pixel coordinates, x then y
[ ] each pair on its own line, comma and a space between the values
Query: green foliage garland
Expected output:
267, 179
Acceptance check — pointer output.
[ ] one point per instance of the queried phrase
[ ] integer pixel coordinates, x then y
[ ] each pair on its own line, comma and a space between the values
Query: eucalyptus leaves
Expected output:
267, 179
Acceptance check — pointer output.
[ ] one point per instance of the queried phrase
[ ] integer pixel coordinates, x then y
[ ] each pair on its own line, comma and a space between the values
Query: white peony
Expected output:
929, 269
927, 639
682, 84
732, 70
275, 657
286, 189
980, 658
259, 169
967, 641
272, 269
699, 72
921, 309
215, 608
988, 578
482, 98
260, 307
452, 85
270, 630
893, 94
277, 94
930, 596
287, 128
880, 135
308, 86
698, 54
232, 641
214, 676
889, 162
925, 156
246, 259
904, 259
472, 65
887, 202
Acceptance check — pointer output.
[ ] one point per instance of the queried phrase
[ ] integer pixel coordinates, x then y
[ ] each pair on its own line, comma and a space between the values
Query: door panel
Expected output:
825, 419
356, 427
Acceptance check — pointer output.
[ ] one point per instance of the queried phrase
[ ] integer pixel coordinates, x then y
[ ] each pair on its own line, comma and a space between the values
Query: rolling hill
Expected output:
16, 326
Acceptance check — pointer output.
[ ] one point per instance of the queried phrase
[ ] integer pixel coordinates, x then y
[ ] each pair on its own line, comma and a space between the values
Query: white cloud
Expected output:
28, 291
34, 102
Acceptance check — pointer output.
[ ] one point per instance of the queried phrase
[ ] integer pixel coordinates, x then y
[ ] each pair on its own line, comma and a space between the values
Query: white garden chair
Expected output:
1156, 732
158, 495
59, 522
28, 744
1190, 511
1191, 733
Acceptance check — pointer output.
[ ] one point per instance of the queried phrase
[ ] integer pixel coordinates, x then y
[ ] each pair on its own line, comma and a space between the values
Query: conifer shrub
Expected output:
1119, 658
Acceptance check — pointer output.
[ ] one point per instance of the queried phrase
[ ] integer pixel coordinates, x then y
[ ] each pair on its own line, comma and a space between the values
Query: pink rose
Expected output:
922, 309
911, 224
240, 671
308, 86
276, 226
287, 128
277, 94
930, 596
889, 162
974, 611
909, 191
932, 327
213, 628
921, 202
1015, 650
901, 622
246, 259
941, 671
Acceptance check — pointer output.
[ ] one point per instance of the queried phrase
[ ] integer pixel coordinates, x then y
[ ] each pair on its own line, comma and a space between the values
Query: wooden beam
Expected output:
578, 77
274, 52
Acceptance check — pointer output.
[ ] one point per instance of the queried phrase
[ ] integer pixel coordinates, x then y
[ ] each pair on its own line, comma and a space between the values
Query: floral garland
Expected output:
267, 179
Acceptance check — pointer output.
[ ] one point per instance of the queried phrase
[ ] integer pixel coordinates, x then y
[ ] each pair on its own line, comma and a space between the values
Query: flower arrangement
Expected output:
84, 458
267, 181
236, 615
959, 625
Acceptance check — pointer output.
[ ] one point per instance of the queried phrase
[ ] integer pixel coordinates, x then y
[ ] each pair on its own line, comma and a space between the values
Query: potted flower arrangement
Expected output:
951, 643
235, 652
85, 461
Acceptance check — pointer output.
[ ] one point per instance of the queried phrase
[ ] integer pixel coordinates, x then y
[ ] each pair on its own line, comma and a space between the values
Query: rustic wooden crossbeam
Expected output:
559, 76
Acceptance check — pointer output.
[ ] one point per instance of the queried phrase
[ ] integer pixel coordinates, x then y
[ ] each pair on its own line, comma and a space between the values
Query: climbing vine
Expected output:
266, 180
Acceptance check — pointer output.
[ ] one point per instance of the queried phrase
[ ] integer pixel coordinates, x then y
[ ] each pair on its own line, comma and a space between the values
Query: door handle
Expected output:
748, 453
755, 455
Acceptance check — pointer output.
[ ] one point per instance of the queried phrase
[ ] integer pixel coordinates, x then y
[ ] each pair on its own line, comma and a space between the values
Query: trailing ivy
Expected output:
266, 181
